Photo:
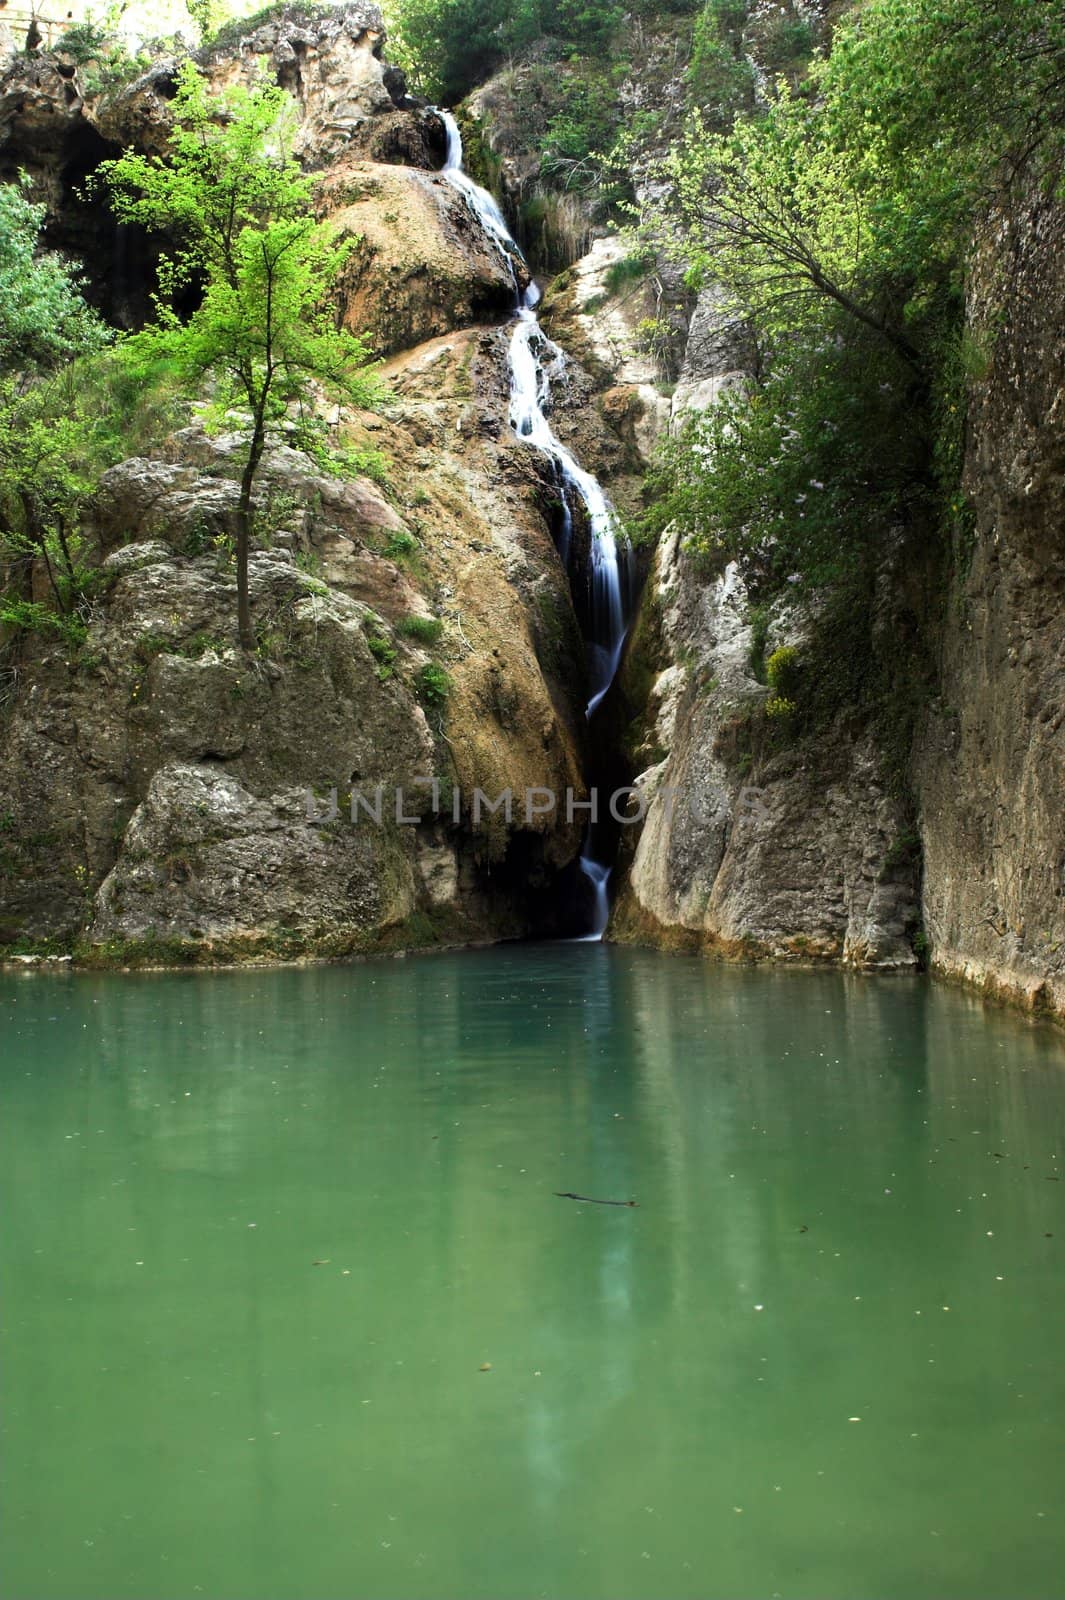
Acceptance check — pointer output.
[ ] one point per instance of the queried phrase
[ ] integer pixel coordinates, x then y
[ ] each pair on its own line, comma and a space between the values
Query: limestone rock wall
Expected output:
810, 852
154, 781
990, 766
796, 854
153, 787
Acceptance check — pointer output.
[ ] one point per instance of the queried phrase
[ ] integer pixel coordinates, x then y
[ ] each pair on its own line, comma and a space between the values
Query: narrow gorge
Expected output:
470, 611
532, 800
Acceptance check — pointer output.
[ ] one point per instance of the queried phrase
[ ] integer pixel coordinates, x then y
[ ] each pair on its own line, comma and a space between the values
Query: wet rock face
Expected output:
990, 765
421, 265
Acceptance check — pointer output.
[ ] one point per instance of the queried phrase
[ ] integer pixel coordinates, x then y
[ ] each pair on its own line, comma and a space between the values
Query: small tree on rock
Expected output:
233, 197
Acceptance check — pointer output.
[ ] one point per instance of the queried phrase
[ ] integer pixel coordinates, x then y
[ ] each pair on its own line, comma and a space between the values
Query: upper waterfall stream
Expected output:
535, 361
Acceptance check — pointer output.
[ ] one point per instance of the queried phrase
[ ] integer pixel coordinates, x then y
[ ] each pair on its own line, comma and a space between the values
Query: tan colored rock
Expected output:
599, 327
330, 63
422, 265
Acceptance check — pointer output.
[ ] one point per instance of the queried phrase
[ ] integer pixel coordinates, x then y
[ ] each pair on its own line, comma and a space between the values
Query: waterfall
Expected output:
479, 200
534, 362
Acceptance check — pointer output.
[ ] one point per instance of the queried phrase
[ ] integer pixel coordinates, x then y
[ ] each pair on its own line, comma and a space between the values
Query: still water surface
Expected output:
262, 1231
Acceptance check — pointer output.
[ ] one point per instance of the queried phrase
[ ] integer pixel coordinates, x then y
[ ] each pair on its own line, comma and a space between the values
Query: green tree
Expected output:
45, 325
857, 190
720, 78
44, 319
232, 196
839, 223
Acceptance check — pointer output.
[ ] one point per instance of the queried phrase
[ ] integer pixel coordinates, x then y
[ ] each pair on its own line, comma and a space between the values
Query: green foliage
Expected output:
838, 223
401, 545
800, 475
105, 61
589, 25
152, 644
782, 671
859, 189
208, 15
433, 685
85, 41
30, 616
452, 45
629, 270
383, 652
720, 78
49, 432
787, 41
57, 435
234, 198
579, 136
655, 335
426, 630
43, 318
782, 676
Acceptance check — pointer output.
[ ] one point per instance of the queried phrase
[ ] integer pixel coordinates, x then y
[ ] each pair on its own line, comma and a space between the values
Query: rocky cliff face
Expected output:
154, 785
826, 849
156, 788
990, 765
750, 847
795, 853
948, 851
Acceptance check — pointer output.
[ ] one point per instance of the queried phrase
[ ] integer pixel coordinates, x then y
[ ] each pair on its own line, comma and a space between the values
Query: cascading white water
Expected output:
534, 361
479, 200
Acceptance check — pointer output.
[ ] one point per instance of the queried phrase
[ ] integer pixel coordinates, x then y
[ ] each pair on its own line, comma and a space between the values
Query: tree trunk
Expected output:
244, 511
35, 533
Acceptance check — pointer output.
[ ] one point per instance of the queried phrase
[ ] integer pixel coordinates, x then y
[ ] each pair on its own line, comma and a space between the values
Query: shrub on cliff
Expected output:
452, 45
44, 319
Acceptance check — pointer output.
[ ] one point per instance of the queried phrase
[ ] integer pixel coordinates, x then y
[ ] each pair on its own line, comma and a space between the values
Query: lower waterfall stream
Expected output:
534, 362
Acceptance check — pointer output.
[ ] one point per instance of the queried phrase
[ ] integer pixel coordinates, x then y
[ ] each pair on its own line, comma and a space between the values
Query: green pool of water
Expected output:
263, 1230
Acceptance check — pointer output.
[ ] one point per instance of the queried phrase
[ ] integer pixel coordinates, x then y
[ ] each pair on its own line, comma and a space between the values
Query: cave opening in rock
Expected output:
120, 259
